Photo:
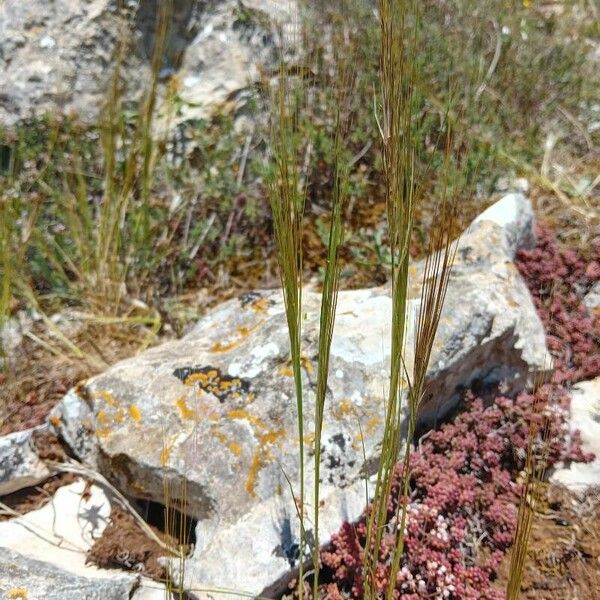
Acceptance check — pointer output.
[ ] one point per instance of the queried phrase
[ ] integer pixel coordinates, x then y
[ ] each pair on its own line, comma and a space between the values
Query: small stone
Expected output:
585, 418
592, 298
47, 42
20, 465
43, 581
44, 551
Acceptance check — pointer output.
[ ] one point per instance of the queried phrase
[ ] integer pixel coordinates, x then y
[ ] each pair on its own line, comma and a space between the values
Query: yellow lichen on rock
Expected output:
135, 413
165, 455
106, 396
185, 411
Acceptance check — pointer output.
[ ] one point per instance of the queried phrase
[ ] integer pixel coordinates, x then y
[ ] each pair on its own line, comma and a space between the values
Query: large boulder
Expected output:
212, 417
60, 55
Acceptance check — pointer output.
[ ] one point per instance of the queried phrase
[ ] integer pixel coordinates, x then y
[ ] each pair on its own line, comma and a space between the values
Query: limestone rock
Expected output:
214, 413
513, 213
73, 422
24, 577
60, 55
44, 551
592, 299
585, 417
61, 531
20, 465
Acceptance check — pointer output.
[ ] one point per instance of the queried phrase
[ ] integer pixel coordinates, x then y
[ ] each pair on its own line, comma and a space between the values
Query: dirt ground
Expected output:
124, 545
563, 560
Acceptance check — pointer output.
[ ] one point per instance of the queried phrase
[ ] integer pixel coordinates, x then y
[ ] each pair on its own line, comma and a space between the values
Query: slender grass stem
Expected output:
329, 297
287, 195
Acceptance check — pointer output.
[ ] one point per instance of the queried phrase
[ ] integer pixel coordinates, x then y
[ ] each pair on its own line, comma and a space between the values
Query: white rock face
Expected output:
216, 410
43, 552
20, 465
59, 55
514, 214
63, 530
23, 577
592, 299
585, 417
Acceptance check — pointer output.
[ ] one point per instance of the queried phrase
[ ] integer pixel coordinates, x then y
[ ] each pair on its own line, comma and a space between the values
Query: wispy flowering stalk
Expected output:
287, 194
328, 306
397, 73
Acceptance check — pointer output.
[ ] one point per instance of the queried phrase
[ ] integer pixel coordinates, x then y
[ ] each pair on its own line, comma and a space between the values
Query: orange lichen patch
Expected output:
235, 448
372, 424
103, 432
221, 347
344, 409
165, 454
219, 435
267, 438
255, 466
260, 306
119, 416
184, 409
106, 396
287, 371
347, 408
135, 413
246, 416
18, 593
55, 420
307, 364
241, 333
262, 455
102, 417
309, 439
244, 331
211, 380
357, 441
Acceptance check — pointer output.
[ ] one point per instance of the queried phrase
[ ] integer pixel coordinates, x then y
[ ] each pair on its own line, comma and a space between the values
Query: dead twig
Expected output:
80, 469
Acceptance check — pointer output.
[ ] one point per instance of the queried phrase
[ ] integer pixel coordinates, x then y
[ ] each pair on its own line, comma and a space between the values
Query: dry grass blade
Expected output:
536, 462
440, 257
329, 297
287, 195
79, 469
398, 24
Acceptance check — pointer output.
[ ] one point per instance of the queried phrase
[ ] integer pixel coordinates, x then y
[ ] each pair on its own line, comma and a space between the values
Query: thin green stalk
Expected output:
329, 297
535, 471
7, 231
397, 74
287, 197
434, 285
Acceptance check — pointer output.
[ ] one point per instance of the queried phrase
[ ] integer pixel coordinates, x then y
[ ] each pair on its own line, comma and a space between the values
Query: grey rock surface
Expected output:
215, 412
39, 580
60, 55
43, 552
20, 465
62, 530
592, 299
